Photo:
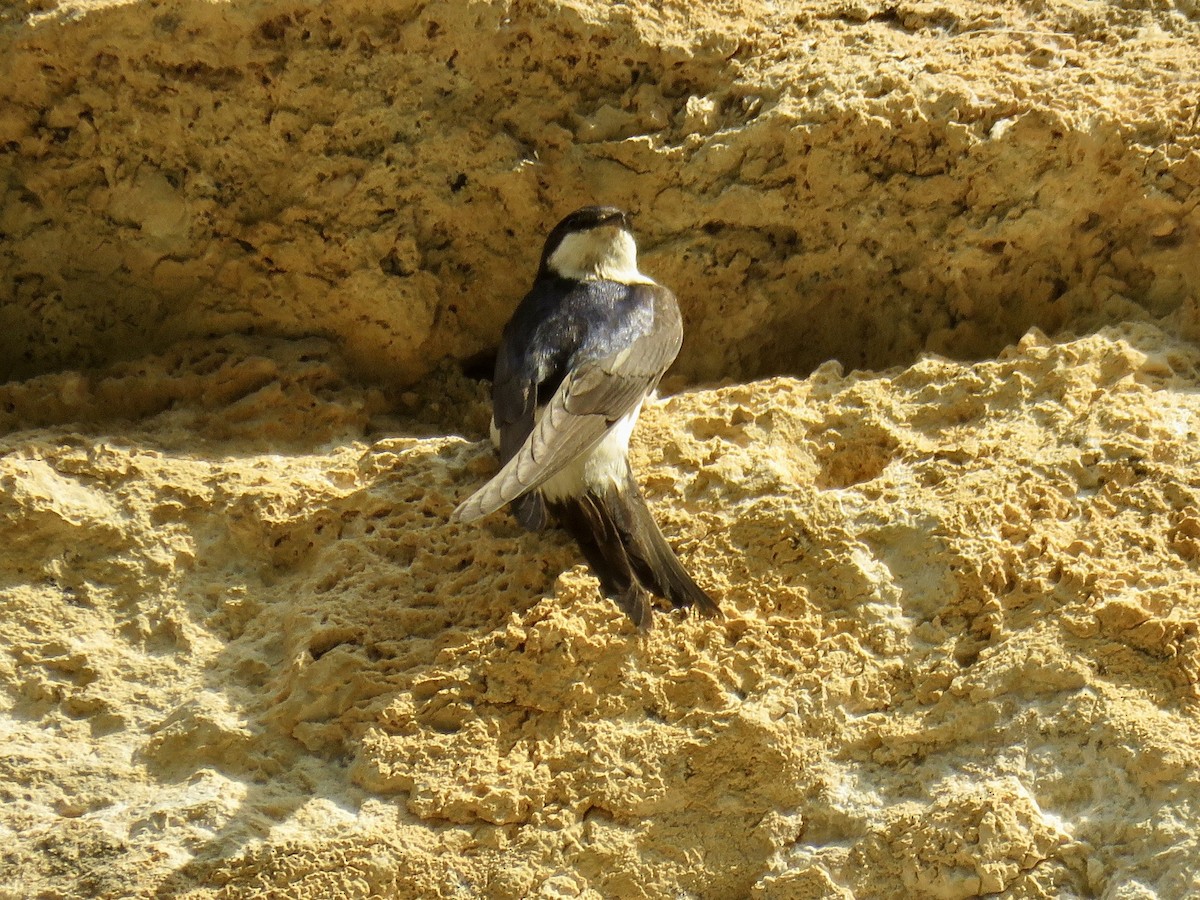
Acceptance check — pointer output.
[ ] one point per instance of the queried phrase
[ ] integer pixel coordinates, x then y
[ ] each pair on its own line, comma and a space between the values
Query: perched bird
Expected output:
583, 350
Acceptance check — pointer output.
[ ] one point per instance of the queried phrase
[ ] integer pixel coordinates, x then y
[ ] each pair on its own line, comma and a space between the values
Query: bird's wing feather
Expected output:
590, 399
513, 400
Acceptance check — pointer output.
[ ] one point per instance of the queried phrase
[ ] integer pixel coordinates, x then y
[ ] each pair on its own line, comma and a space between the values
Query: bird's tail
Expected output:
628, 552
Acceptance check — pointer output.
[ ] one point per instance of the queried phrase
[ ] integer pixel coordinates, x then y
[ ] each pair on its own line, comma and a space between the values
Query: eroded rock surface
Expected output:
245, 652
816, 180
244, 250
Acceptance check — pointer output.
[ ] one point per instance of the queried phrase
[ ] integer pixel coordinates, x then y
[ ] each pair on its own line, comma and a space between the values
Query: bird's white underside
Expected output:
603, 464
607, 253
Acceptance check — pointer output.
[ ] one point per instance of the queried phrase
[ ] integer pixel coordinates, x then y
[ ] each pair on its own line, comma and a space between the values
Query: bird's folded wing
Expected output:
596, 394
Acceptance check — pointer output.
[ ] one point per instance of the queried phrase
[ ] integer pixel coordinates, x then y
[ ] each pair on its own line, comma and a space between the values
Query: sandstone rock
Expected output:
248, 246
816, 180
960, 653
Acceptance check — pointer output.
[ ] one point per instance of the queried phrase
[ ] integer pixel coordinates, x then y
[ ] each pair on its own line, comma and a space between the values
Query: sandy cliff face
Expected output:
246, 654
246, 248
941, 175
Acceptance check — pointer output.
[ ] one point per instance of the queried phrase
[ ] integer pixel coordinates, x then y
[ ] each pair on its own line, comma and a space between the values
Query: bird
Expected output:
582, 352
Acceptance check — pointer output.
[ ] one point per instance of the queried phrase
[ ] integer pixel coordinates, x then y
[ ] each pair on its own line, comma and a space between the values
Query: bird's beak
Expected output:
618, 218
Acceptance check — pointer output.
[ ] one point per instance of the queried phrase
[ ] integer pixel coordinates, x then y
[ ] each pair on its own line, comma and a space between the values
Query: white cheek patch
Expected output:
608, 253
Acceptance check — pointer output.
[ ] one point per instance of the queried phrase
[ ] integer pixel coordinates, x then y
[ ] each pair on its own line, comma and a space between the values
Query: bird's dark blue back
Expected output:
559, 324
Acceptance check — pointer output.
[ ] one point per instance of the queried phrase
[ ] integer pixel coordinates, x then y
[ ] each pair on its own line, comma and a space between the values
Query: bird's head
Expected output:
595, 242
